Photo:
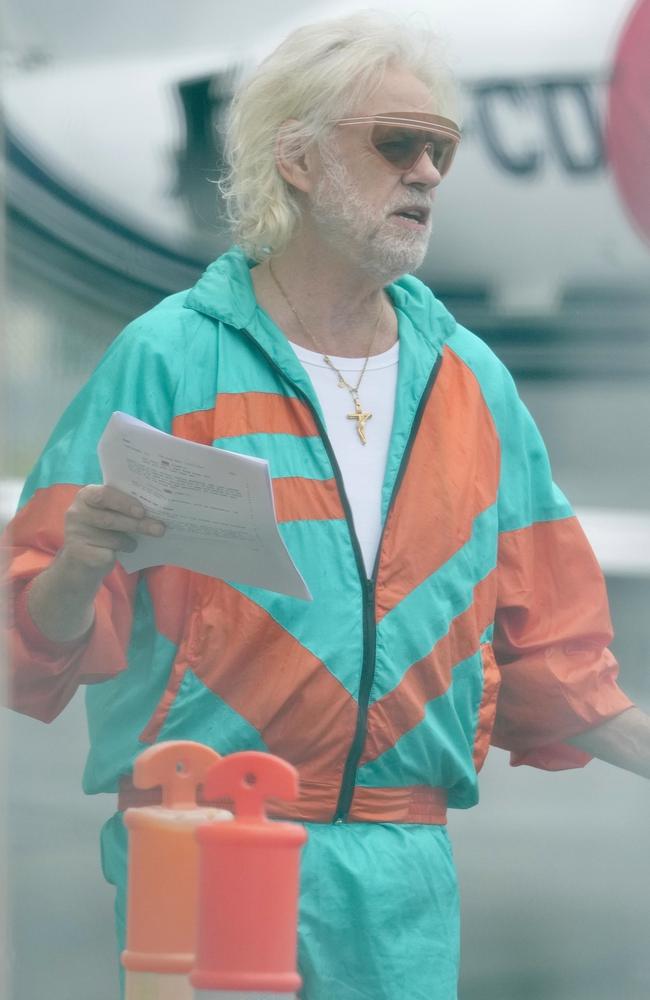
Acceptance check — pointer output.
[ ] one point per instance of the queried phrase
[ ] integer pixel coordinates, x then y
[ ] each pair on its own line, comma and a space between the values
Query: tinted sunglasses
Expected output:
402, 138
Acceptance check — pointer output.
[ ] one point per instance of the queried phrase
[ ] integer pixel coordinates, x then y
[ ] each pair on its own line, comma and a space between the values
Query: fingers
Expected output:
110, 498
110, 509
118, 541
101, 522
110, 520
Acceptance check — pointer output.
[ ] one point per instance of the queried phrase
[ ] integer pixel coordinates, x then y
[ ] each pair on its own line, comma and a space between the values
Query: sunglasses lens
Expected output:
444, 150
402, 148
399, 147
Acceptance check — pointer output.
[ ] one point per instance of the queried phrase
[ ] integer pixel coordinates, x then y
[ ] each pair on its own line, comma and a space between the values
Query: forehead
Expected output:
399, 90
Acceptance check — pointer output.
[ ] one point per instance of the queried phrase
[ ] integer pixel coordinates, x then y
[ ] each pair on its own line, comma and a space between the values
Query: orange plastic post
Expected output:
249, 882
163, 858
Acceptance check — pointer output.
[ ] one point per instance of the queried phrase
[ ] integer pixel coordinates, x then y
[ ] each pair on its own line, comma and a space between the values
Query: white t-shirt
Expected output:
362, 466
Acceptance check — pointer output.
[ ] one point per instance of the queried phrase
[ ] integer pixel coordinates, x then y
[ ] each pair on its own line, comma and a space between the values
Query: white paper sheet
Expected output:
217, 507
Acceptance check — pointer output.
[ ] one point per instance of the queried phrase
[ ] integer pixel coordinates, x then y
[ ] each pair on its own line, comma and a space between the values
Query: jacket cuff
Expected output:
562, 756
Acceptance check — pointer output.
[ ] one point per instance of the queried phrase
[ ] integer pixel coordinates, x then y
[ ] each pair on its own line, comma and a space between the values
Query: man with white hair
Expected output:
456, 600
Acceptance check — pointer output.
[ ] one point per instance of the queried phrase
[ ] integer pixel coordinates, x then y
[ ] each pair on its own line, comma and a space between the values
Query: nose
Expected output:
423, 173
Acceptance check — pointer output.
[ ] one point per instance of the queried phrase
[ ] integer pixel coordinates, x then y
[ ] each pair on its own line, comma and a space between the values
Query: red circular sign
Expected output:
628, 124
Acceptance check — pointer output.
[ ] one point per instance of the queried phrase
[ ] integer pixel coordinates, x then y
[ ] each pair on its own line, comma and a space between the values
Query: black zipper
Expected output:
348, 780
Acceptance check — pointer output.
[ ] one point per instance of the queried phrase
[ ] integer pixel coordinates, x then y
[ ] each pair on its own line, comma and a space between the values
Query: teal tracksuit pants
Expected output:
379, 913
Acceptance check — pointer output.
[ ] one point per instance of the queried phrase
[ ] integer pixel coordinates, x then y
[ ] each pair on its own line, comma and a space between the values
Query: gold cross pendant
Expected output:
361, 419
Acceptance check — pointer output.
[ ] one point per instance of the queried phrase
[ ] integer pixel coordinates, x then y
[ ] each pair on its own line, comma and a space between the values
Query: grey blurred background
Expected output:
113, 116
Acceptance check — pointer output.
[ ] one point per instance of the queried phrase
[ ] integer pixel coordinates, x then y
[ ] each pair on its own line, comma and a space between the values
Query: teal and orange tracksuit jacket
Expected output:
485, 619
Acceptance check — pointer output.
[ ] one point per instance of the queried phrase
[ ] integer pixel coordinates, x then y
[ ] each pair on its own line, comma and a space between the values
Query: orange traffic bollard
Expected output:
163, 871
248, 885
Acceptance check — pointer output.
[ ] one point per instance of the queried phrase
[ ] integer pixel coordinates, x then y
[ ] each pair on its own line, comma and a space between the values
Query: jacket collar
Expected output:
225, 292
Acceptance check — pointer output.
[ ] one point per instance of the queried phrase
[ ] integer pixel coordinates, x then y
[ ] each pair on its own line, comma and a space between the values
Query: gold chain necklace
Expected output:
360, 415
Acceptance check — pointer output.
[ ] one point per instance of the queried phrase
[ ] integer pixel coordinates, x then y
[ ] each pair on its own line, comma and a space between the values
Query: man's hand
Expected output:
623, 741
101, 522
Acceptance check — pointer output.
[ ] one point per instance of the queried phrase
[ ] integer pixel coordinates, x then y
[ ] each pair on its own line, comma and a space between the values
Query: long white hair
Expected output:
319, 73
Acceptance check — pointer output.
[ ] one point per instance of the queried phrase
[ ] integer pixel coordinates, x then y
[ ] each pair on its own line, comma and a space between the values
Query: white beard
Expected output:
362, 233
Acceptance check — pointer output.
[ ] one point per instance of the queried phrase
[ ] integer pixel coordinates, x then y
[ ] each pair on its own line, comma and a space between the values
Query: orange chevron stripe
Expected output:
244, 656
239, 413
296, 498
299, 499
452, 476
197, 426
404, 707
550, 638
170, 589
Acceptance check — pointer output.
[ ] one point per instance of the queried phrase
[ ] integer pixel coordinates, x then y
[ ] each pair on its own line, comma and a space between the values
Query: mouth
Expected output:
415, 216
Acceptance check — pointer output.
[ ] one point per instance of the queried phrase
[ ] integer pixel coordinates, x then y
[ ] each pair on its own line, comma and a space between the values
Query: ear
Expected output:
296, 170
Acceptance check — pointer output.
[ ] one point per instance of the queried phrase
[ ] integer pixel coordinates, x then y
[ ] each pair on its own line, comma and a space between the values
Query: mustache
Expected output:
412, 200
